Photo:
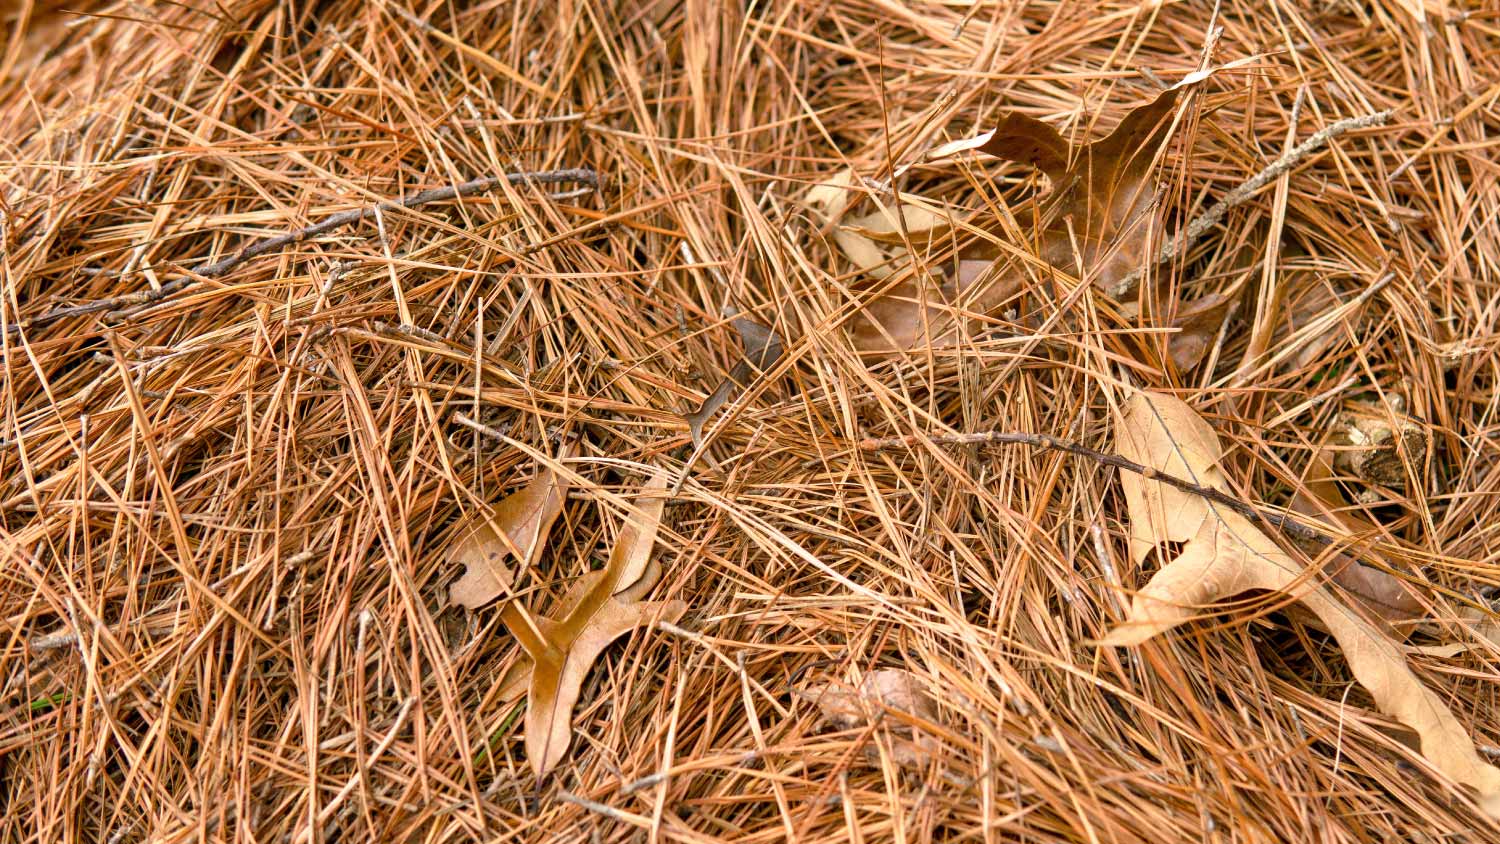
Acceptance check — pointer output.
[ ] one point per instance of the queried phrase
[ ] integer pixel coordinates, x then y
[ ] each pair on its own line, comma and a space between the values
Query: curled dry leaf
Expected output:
516, 528
763, 347
1313, 318
909, 309
1382, 593
599, 608
1225, 554
1379, 444
1198, 322
887, 691
1097, 221
1197, 325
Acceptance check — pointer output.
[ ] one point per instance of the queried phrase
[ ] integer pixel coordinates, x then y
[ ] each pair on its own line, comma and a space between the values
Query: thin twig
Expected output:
603, 809
222, 266
1276, 520
1239, 195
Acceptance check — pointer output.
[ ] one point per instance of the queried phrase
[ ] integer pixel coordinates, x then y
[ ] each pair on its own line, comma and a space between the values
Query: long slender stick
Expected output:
1276, 520
581, 175
1200, 224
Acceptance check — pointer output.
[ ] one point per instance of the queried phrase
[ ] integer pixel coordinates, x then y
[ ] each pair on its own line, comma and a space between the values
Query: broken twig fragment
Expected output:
763, 349
343, 218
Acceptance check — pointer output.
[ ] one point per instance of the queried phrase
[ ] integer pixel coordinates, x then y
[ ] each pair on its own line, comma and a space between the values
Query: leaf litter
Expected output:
294, 558
893, 692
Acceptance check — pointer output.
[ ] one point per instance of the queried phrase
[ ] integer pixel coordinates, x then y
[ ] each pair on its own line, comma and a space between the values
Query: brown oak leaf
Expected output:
516, 528
599, 608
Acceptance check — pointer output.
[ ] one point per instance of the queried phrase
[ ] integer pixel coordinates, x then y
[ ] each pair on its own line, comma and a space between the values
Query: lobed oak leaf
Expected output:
517, 527
1225, 554
599, 608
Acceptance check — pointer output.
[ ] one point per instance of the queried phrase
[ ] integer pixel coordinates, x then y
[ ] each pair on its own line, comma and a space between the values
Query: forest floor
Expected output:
280, 527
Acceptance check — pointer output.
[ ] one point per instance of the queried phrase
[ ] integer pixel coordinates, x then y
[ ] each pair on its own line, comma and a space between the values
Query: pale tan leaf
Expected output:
831, 198
639, 570
1482, 626
865, 253
557, 677
1226, 554
907, 221
516, 528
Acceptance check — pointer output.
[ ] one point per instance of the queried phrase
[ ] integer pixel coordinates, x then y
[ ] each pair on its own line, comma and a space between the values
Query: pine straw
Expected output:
225, 512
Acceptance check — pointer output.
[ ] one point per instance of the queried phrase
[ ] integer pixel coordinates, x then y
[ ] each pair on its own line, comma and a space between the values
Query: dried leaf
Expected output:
517, 527
1022, 139
599, 608
1482, 626
831, 198
1100, 214
906, 223
1096, 223
894, 320
1313, 318
639, 568
1198, 322
1197, 326
887, 690
640, 571
1098, 218
1226, 554
1384, 594
1380, 445
763, 348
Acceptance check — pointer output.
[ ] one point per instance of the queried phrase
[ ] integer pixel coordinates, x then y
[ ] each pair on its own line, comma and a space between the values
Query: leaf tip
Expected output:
1126, 635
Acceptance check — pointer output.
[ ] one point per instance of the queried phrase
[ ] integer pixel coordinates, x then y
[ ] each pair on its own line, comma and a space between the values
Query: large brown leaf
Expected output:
1095, 223
1225, 554
599, 608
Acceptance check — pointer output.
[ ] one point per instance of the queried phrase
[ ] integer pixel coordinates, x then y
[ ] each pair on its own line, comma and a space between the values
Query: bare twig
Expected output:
603, 809
343, 218
1275, 520
1200, 225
